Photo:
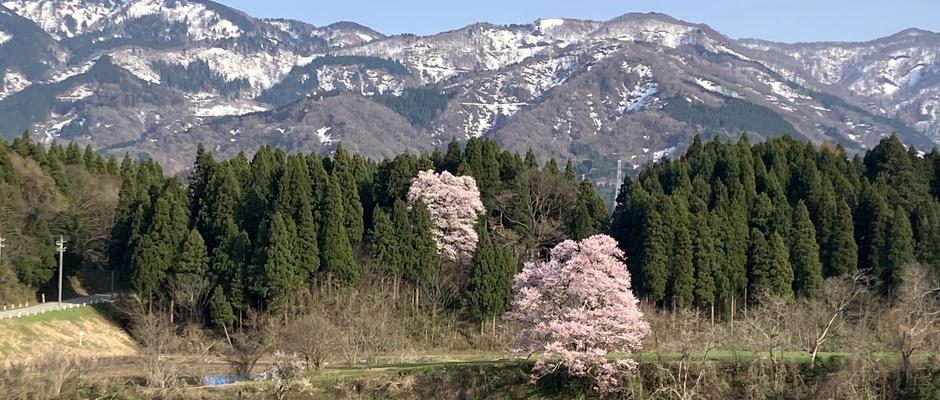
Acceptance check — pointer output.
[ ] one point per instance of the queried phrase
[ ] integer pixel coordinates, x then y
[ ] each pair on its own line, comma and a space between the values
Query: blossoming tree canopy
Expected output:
455, 205
576, 308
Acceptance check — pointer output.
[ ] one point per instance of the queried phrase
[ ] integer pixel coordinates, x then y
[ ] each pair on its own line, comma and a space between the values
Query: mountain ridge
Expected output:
628, 90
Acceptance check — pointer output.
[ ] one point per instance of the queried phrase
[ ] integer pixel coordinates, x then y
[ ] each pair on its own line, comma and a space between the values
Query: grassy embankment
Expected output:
25, 338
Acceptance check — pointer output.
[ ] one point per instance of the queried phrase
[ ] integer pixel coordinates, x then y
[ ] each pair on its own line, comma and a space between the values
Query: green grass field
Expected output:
71, 314
491, 359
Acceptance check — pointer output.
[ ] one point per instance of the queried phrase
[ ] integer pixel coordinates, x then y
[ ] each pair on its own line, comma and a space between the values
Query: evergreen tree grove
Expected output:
489, 292
804, 254
336, 254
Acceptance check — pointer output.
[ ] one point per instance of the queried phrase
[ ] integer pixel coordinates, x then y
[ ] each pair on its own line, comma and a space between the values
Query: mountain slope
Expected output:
155, 77
27, 53
896, 76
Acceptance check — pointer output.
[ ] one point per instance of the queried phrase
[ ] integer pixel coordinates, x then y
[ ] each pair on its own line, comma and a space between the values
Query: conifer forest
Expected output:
727, 226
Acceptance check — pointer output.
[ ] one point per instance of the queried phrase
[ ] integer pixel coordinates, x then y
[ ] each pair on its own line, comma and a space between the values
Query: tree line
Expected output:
271, 232
730, 221
45, 191
419, 105
734, 115
714, 229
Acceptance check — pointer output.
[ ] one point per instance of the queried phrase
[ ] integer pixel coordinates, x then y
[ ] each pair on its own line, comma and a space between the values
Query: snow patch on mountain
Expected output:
5, 37
664, 33
781, 89
434, 69
53, 127
924, 108
77, 93
207, 105
381, 83
324, 135
930, 111
480, 117
721, 48
658, 155
330, 76
829, 65
506, 92
284, 26
344, 37
352, 78
203, 24
135, 64
641, 95
785, 91
716, 88
505, 47
66, 73
63, 18
561, 125
900, 70
442, 56
549, 23
261, 69
539, 77
600, 53
13, 82
482, 107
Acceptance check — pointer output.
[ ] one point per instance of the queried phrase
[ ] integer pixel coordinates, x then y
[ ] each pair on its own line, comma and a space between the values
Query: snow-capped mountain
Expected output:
156, 77
65, 18
897, 76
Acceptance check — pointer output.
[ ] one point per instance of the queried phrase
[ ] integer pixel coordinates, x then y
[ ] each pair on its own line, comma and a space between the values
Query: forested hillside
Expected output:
350, 259
46, 192
729, 222
273, 232
722, 224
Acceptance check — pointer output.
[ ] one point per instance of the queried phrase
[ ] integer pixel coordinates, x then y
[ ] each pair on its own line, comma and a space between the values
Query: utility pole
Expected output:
61, 248
1, 253
619, 180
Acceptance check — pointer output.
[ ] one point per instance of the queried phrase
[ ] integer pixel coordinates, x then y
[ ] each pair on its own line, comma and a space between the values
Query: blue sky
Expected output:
778, 20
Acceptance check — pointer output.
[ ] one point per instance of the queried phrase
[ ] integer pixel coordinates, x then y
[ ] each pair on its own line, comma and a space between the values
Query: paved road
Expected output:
52, 305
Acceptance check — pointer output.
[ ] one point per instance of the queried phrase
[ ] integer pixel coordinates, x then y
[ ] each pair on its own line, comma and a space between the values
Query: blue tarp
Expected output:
221, 380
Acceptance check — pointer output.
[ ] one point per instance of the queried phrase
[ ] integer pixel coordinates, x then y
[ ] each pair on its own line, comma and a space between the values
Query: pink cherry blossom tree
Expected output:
575, 309
455, 205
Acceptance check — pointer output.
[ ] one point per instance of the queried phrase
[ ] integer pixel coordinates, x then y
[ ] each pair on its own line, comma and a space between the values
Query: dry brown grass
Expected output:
34, 337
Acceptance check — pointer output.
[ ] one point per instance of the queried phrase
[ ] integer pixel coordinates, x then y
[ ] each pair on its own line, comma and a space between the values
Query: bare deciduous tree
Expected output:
90, 216
249, 344
157, 338
442, 288
44, 377
767, 325
369, 328
829, 313
58, 368
692, 376
536, 205
190, 292
912, 323
314, 337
